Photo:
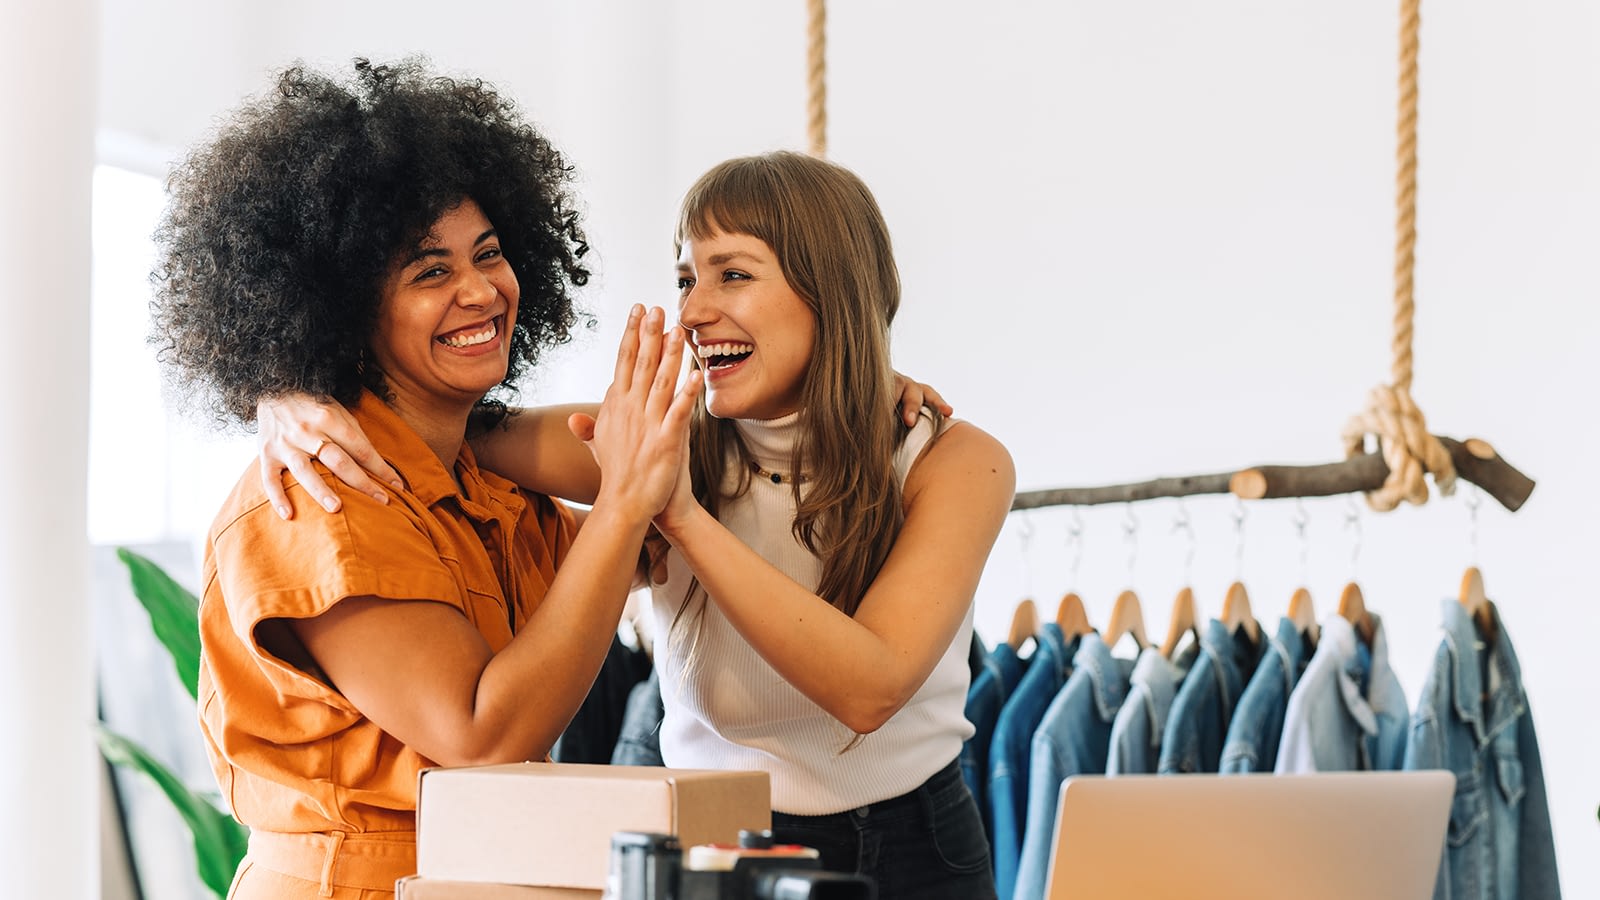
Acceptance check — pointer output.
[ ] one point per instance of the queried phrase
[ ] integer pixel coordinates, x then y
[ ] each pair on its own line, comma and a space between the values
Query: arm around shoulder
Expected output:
535, 448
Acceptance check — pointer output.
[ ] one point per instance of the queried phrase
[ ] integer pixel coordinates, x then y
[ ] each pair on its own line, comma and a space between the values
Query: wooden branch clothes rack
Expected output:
1476, 461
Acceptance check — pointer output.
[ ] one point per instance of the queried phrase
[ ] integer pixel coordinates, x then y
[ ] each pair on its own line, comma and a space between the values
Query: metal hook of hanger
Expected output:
1352, 523
1181, 522
1025, 535
1302, 518
1238, 536
1474, 500
1130, 533
1075, 546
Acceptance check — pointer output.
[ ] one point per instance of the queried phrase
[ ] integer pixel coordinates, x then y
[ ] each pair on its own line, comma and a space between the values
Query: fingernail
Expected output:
397, 484
380, 496
284, 512
331, 504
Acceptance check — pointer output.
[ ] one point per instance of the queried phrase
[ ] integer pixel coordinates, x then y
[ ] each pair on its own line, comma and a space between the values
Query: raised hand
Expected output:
641, 437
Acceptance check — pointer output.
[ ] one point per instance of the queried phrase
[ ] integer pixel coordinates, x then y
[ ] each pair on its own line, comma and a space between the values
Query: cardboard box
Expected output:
415, 887
550, 824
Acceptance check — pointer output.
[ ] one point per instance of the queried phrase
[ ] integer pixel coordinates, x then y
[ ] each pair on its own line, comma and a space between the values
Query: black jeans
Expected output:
926, 844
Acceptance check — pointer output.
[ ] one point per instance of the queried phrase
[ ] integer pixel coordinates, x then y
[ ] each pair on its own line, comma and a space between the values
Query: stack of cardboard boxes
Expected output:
542, 831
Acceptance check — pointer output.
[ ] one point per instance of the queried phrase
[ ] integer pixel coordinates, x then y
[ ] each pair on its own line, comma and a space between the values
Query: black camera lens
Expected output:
644, 865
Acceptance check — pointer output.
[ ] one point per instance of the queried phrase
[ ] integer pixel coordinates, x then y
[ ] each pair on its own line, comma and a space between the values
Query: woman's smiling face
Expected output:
443, 333
752, 333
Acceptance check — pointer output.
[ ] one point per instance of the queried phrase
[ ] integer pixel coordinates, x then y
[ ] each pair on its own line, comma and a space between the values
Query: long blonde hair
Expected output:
833, 248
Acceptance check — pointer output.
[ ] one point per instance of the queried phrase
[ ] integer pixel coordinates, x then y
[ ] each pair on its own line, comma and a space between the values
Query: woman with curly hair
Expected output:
404, 244
815, 595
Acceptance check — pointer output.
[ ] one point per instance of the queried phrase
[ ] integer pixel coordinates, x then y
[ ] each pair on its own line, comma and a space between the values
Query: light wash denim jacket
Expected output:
1257, 726
1192, 741
1136, 734
1348, 713
1472, 719
1008, 752
1072, 739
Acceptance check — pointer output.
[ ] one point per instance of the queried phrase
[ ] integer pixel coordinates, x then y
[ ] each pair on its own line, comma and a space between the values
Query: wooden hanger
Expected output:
1303, 614
1127, 618
1353, 609
1477, 604
1071, 616
1236, 611
1183, 620
1024, 624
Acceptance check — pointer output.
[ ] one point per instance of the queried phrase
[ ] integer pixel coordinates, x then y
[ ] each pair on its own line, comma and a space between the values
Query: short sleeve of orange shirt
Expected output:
289, 752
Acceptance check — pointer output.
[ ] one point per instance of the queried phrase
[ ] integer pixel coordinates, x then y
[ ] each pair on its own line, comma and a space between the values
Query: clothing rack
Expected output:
1476, 461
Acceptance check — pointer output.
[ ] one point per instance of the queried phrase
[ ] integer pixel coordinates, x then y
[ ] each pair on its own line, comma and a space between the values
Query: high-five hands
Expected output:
641, 437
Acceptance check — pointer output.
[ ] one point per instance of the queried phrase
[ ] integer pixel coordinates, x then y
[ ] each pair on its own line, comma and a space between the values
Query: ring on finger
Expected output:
316, 454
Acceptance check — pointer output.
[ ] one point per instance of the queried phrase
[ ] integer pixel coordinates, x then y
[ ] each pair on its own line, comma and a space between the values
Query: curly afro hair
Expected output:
277, 234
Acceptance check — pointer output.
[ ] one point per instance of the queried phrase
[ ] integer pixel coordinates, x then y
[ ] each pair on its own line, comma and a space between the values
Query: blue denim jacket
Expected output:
1072, 739
1348, 713
1136, 734
1008, 752
1005, 661
1257, 726
1498, 846
1192, 741
984, 700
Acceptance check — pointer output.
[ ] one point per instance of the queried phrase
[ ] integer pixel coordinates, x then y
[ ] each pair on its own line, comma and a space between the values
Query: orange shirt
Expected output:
290, 753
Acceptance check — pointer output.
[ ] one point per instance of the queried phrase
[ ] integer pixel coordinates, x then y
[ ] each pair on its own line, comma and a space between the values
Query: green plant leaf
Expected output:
219, 840
174, 614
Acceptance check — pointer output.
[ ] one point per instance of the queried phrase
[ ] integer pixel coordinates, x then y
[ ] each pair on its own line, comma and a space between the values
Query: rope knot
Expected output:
1409, 449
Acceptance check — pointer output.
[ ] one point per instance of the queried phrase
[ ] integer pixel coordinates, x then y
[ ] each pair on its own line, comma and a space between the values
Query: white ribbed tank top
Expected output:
731, 710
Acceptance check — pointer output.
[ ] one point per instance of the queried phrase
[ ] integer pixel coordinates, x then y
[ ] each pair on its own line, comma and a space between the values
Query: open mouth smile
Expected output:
725, 355
473, 335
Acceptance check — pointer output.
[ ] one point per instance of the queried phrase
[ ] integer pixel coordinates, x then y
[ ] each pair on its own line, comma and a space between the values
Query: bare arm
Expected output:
422, 672
862, 670
538, 451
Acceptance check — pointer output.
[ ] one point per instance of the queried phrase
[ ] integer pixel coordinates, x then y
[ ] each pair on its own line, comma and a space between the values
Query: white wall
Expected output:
1137, 239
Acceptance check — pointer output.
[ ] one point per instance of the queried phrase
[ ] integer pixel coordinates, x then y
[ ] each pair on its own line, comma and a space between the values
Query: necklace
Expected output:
777, 477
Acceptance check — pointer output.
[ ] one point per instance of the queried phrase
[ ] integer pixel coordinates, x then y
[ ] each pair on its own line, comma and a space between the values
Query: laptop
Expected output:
1331, 836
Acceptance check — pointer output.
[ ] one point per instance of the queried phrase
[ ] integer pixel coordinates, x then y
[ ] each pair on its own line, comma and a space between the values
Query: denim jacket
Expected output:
1136, 734
985, 698
1348, 713
1005, 662
1072, 739
1257, 726
1013, 737
1192, 741
1472, 718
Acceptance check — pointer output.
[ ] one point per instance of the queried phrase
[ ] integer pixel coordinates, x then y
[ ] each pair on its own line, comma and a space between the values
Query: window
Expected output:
154, 475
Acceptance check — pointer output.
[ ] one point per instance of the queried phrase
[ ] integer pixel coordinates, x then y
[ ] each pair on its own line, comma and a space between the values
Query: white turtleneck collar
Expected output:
771, 441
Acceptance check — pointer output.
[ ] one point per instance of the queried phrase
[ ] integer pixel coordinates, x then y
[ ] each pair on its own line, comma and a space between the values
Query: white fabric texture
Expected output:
731, 710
